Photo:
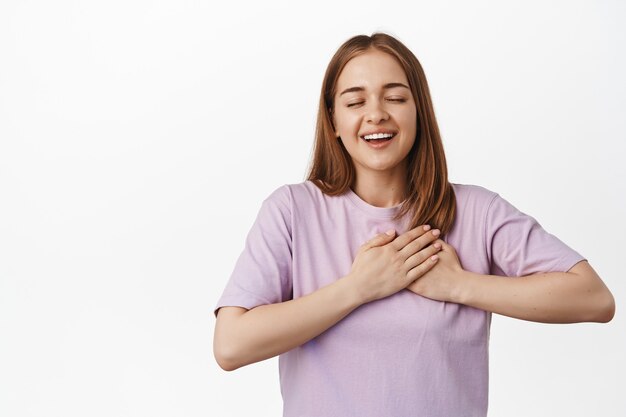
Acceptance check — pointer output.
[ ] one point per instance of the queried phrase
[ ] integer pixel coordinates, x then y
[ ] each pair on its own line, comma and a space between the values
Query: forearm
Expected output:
555, 297
269, 330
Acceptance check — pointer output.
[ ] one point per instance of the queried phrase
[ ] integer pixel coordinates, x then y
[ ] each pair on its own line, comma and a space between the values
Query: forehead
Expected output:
371, 69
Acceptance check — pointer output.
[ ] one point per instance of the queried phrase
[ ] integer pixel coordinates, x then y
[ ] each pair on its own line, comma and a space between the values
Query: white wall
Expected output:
138, 139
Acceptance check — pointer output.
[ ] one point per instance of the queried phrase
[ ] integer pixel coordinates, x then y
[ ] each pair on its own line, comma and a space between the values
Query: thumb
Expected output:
380, 239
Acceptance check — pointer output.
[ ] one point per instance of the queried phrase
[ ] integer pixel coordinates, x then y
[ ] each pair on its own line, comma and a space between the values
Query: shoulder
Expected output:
280, 195
298, 194
293, 195
473, 195
292, 190
491, 206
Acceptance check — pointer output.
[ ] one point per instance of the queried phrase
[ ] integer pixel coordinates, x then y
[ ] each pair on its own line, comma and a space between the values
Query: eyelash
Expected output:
399, 100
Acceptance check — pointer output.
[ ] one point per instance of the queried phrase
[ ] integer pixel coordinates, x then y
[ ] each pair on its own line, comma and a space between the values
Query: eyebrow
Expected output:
386, 86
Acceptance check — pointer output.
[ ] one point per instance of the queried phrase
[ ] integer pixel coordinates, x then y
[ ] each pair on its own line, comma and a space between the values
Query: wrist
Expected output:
351, 292
462, 292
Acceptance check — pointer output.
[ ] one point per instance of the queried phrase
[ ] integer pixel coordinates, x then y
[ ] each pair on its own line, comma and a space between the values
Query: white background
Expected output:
138, 139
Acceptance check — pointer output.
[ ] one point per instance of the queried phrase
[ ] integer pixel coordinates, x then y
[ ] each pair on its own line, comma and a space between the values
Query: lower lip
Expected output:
379, 145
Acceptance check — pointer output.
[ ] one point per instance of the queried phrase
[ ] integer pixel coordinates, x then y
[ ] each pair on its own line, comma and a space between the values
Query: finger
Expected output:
444, 245
422, 257
379, 239
422, 268
421, 242
406, 237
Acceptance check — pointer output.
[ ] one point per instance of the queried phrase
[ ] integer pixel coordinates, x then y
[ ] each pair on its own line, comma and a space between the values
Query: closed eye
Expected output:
398, 100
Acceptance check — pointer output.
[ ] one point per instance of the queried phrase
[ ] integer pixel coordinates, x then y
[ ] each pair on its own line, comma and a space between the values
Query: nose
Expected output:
376, 112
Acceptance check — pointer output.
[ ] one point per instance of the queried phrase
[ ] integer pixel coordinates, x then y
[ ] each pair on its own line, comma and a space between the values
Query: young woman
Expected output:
369, 323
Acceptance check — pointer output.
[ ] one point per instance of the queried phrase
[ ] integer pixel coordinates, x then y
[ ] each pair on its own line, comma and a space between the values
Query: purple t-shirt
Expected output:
403, 355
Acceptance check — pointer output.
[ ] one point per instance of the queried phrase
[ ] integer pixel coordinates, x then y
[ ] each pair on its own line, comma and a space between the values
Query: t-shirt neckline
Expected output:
381, 212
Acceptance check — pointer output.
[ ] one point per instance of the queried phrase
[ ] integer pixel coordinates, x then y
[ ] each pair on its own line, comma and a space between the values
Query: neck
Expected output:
381, 189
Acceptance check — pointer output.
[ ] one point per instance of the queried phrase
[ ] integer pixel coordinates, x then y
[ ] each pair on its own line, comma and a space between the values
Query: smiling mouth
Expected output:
381, 140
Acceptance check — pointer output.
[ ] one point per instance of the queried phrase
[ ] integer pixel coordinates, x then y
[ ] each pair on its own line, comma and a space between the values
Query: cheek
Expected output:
345, 121
409, 120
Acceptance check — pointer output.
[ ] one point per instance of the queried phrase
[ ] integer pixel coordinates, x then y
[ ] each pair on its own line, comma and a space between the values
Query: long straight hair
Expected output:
429, 196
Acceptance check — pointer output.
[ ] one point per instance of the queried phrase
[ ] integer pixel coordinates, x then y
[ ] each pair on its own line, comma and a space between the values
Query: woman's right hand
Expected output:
387, 264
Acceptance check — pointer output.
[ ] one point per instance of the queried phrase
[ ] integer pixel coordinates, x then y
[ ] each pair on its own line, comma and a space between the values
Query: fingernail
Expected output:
390, 232
427, 228
436, 232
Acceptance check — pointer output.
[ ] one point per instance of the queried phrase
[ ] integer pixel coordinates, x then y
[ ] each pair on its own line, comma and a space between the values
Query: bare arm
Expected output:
578, 295
244, 337
382, 267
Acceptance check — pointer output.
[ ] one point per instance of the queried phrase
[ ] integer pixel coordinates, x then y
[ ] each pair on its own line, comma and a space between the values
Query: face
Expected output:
373, 96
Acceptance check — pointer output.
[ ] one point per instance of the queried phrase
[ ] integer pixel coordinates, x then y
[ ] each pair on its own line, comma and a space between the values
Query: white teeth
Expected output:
378, 136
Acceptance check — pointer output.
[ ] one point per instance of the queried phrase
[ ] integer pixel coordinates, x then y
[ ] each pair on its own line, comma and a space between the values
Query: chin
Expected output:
383, 167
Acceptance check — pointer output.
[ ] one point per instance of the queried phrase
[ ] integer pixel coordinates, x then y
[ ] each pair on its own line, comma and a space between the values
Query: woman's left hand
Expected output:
444, 280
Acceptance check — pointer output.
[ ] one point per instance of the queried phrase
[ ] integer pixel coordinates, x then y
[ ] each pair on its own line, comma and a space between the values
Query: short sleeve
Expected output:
517, 245
263, 271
